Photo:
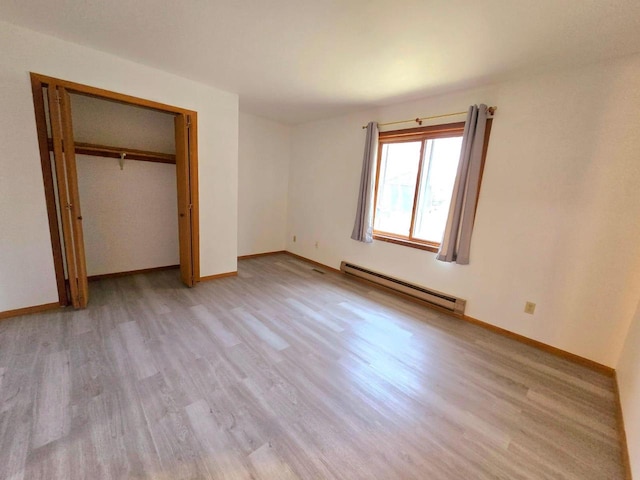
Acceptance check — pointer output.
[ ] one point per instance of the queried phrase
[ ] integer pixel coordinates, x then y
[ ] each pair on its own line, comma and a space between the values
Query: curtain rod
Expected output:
419, 120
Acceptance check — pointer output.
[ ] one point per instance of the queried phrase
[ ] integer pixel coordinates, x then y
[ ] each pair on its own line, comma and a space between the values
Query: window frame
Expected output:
421, 134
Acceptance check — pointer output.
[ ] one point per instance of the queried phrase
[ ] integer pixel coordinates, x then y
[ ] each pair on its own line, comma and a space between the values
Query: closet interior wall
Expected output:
130, 215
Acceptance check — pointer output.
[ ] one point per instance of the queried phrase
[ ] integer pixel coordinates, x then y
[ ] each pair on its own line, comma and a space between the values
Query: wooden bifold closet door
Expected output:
64, 159
61, 182
185, 201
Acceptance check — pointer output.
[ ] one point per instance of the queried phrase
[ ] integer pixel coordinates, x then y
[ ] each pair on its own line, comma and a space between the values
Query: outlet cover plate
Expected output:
529, 308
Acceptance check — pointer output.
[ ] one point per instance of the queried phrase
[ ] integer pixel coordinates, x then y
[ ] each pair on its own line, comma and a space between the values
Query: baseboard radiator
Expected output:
439, 300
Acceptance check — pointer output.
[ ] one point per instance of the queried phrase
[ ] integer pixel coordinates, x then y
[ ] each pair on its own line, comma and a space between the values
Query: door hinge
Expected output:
188, 121
190, 206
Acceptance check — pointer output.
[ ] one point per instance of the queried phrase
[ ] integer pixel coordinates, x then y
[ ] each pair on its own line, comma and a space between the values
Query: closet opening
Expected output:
132, 168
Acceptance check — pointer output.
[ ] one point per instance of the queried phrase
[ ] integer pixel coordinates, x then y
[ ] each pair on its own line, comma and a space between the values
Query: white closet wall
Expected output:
130, 216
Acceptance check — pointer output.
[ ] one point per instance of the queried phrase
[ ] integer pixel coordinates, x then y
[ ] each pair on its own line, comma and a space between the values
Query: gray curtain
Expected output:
363, 225
456, 242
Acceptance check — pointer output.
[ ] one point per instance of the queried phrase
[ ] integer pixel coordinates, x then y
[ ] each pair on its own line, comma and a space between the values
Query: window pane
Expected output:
397, 186
436, 185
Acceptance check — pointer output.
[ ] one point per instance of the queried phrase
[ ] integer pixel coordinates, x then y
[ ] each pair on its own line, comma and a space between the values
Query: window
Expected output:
414, 181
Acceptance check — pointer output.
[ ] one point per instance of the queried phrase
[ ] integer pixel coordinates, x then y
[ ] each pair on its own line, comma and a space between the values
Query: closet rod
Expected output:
116, 152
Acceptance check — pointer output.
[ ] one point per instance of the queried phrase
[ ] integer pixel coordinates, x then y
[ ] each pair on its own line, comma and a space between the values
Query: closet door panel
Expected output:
64, 159
74, 196
40, 96
64, 200
193, 191
184, 200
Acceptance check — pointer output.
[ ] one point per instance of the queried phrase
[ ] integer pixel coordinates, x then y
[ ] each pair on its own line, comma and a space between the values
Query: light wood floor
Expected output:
286, 373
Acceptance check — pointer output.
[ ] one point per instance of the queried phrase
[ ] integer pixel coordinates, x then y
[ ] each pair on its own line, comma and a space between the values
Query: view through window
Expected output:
415, 178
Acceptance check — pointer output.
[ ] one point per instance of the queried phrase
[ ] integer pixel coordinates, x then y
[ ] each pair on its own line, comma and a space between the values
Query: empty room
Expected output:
354, 239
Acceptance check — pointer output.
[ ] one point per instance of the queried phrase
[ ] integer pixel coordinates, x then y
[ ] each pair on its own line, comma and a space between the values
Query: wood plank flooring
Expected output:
287, 373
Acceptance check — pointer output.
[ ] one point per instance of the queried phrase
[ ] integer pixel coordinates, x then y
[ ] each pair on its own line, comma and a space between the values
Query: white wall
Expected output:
557, 221
628, 371
26, 267
263, 178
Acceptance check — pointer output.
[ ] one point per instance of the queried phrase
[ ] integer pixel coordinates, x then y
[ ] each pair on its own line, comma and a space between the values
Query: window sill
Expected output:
407, 243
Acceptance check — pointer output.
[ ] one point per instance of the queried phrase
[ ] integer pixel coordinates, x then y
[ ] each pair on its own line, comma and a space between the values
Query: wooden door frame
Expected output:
38, 82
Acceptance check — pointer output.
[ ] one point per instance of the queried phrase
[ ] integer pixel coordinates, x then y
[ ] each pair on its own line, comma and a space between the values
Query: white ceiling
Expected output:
298, 60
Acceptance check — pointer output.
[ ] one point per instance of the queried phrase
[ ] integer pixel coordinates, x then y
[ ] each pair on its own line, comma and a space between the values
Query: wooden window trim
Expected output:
413, 135
421, 245
433, 131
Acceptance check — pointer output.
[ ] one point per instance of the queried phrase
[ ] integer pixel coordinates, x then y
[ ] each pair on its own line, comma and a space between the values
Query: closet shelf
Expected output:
116, 152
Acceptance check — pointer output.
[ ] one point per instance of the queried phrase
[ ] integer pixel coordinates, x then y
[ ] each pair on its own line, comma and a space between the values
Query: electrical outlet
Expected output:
317, 244
529, 308
294, 239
